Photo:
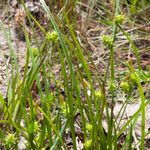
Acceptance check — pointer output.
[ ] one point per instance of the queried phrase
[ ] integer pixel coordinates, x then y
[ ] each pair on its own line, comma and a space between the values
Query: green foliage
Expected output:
136, 5
72, 91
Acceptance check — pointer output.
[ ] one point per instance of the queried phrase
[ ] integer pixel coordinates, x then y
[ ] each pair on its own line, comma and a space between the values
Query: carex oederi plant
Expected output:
44, 106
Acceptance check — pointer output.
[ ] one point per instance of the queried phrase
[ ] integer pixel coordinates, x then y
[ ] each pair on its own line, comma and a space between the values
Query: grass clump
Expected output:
74, 106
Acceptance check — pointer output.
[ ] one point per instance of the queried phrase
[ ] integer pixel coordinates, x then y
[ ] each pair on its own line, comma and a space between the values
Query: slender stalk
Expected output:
135, 49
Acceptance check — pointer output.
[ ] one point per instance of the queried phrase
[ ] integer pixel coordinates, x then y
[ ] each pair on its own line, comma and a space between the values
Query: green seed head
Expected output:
112, 86
65, 108
125, 87
89, 127
99, 94
35, 51
119, 19
88, 144
10, 139
107, 40
52, 36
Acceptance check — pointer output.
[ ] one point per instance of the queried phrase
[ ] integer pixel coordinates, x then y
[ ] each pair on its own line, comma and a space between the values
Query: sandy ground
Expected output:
19, 49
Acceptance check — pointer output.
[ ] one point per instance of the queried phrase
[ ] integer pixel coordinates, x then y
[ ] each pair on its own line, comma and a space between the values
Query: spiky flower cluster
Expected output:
119, 19
107, 40
52, 36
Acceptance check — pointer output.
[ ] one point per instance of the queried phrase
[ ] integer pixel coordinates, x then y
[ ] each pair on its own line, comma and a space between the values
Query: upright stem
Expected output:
111, 124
